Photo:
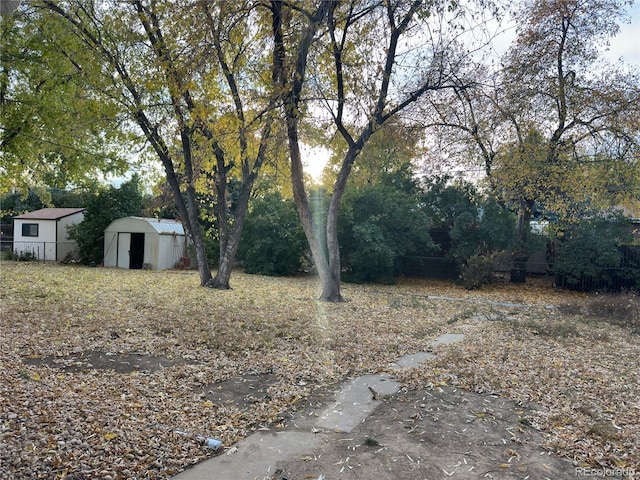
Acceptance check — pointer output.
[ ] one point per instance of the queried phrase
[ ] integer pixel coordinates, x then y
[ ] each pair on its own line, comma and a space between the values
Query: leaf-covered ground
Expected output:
574, 355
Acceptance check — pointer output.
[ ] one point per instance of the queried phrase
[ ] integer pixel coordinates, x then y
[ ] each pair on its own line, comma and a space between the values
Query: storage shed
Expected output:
43, 233
150, 243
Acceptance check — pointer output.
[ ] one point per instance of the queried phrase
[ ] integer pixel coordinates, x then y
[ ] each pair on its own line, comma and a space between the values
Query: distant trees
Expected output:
107, 205
596, 253
379, 224
384, 226
476, 223
555, 126
564, 109
273, 242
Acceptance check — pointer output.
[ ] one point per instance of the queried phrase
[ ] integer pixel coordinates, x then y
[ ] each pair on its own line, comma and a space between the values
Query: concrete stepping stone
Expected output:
447, 339
254, 457
412, 360
355, 401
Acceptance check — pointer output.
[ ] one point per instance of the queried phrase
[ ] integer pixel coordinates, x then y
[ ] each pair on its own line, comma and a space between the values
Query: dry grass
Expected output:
100, 424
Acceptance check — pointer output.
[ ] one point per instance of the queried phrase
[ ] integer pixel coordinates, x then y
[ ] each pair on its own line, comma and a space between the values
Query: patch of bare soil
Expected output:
241, 391
436, 433
119, 362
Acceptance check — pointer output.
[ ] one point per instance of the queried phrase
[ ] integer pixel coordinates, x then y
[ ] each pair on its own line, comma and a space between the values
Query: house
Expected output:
150, 243
43, 233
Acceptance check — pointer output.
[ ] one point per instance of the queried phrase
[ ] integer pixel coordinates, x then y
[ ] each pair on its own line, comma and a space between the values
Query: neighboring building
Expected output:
6, 237
136, 242
44, 232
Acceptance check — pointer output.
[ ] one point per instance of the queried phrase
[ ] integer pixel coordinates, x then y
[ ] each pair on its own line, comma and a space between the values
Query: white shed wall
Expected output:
109, 258
66, 245
170, 249
161, 250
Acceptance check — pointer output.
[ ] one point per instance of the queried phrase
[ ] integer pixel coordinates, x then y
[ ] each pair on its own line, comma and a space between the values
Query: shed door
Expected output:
130, 250
124, 243
136, 250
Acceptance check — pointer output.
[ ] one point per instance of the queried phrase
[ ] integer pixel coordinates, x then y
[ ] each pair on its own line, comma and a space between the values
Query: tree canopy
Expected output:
570, 114
554, 126
55, 131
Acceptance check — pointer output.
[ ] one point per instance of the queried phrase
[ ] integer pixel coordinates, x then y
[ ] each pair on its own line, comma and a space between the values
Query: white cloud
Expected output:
626, 44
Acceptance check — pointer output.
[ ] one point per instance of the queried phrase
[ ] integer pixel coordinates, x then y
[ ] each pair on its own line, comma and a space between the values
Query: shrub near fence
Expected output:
622, 274
587, 276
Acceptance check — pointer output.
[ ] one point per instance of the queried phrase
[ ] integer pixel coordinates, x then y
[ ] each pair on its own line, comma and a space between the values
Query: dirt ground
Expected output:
438, 433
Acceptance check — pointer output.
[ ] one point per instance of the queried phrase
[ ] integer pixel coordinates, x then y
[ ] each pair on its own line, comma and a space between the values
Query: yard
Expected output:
100, 367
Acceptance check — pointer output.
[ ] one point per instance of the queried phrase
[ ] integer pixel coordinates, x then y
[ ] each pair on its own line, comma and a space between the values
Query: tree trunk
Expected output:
290, 92
189, 212
520, 255
333, 245
329, 281
201, 258
223, 276
229, 244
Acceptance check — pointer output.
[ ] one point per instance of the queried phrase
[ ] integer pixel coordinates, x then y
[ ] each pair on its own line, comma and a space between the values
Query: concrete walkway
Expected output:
255, 457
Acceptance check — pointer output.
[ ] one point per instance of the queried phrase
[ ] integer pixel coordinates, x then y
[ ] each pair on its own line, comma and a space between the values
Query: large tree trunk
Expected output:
329, 281
333, 245
290, 91
189, 214
201, 258
188, 210
229, 244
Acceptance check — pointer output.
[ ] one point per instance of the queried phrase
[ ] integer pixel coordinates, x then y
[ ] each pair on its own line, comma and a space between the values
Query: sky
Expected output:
627, 43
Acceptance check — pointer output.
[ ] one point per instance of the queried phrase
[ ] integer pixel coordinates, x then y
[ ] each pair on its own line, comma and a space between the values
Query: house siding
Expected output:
43, 246
52, 242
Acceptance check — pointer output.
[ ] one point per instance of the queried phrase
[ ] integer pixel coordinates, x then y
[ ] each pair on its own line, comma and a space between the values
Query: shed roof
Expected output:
160, 225
49, 213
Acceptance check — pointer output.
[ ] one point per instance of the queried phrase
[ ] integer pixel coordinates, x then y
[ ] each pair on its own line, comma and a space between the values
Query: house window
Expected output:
29, 229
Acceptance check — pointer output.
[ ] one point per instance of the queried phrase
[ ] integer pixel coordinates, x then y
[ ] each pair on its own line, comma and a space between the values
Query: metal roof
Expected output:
49, 213
162, 226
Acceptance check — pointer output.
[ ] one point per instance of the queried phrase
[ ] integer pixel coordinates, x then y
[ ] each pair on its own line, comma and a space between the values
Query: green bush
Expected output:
273, 242
25, 256
373, 258
588, 256
478, 270
379, 224
211, 246
478, 226
487, 229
